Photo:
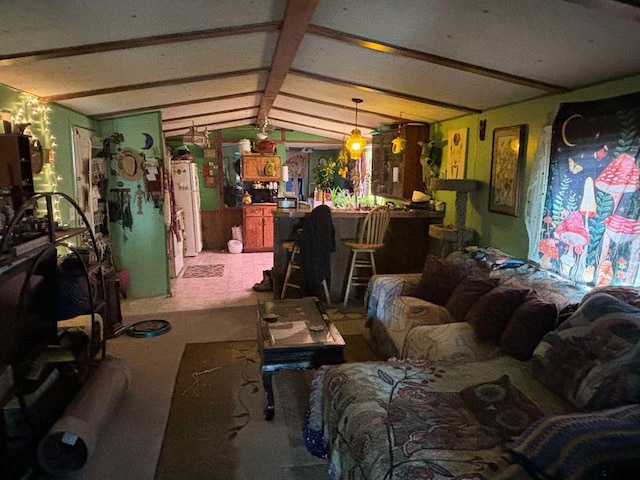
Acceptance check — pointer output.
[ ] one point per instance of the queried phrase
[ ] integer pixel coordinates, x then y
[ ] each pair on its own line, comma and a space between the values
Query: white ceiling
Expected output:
230, 63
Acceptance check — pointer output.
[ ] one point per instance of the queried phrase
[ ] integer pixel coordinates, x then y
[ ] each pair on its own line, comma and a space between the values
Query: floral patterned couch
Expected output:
422, 315
570, 412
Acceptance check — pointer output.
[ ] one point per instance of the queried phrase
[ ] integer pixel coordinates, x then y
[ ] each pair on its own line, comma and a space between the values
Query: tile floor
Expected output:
233, 288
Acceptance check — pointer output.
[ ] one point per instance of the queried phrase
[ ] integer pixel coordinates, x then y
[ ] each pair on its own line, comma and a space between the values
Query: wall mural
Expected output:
591, 222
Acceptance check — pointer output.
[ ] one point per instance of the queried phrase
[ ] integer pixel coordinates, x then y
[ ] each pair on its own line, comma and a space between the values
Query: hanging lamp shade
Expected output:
356, 142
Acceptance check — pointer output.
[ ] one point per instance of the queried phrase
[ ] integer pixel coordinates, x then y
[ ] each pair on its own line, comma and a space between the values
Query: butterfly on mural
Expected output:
575, 167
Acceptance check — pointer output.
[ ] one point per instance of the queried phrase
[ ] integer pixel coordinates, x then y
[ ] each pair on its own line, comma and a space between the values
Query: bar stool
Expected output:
370, 239
295, 265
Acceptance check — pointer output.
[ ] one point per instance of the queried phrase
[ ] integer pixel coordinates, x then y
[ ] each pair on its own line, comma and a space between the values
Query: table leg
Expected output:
269, 412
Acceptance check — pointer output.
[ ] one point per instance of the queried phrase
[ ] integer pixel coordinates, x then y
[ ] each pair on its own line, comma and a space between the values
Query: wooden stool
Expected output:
294, 265
370, 239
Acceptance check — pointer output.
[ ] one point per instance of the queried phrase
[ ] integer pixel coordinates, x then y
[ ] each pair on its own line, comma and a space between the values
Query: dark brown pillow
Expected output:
468, 292
438, 280
528, 324
490, 315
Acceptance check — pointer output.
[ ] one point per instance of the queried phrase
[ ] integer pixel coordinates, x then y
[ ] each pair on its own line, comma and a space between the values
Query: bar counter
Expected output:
406, 244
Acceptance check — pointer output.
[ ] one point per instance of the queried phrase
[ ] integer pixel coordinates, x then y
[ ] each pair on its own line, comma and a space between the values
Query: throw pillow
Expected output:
593, 359
528, 324
501, 406
439, 279
491, 313
468, 292
582, 446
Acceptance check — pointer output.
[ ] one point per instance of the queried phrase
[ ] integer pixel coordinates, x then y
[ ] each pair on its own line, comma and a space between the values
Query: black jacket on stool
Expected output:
317, 243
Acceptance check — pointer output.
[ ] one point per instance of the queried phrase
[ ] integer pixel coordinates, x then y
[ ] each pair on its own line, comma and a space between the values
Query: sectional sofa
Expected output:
524, 376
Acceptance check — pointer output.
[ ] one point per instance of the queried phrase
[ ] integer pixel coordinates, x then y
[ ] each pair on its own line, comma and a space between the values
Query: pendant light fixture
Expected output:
355, 143
194, 137
264, 128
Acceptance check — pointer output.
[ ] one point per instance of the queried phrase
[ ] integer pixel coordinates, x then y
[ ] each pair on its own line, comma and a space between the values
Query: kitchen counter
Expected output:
406, 246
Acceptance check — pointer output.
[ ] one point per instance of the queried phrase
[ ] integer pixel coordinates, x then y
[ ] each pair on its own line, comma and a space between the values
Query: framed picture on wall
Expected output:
457, 153
507, 166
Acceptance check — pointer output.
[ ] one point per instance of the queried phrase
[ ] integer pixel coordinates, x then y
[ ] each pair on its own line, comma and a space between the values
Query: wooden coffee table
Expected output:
302, 337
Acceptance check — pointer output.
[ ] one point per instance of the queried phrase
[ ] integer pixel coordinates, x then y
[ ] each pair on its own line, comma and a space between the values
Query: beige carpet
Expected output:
216, 428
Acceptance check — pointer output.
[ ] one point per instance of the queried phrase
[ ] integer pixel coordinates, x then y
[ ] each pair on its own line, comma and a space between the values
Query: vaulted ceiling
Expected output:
299, 63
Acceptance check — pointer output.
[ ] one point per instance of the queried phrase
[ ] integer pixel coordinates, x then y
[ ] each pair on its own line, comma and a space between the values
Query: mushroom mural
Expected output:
621, 230
619, 177
588, 204
571, 231
549, 249
605, 273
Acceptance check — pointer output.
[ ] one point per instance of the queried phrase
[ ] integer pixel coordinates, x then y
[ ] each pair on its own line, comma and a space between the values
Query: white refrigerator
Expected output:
187, 194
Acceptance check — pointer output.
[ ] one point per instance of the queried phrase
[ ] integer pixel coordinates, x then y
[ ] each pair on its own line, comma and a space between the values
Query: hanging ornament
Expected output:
140, 199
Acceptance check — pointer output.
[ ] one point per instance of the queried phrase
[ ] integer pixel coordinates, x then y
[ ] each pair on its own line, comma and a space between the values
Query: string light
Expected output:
29, 110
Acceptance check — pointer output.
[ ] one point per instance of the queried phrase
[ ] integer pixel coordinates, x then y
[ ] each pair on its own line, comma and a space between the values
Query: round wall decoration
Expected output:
130, 164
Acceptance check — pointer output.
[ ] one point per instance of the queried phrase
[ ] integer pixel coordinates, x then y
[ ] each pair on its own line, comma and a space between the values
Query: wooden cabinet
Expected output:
15, 167
258, 227
398, 175
260, 168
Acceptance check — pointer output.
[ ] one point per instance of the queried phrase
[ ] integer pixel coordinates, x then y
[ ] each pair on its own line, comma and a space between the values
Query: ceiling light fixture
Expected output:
264, 129
194, 137
355, 143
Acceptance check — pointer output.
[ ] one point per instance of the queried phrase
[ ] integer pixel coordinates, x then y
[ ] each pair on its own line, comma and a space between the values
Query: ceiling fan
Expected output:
195, 137
264, 128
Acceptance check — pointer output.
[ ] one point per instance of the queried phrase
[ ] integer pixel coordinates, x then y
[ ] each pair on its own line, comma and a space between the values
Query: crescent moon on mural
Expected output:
564, 129
148, 141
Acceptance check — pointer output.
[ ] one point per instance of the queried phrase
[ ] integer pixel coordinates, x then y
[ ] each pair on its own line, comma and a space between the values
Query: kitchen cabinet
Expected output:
261, 168
15, 167
258, 227
398, 174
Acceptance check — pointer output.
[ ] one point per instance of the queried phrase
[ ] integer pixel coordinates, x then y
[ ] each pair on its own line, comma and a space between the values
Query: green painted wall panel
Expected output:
492, 229
143, 249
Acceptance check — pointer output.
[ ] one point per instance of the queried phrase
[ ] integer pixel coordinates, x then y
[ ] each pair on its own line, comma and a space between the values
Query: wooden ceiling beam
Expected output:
209, 125
339, 105
435, 59
297, 17
155, 84
26, 57
176, 104
392, 93
320, 117
217, 112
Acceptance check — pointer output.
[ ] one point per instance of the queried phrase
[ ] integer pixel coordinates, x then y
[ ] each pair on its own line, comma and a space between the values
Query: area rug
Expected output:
216, 428
200, 271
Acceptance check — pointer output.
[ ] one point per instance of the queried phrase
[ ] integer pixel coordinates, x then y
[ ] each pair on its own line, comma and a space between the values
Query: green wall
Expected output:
143, 249
56, 134
505, 232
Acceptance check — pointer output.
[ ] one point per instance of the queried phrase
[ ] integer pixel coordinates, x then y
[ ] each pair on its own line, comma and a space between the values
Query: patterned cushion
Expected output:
454, 341
528, 324
593, 358
500, 406
490, 315
582, 446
